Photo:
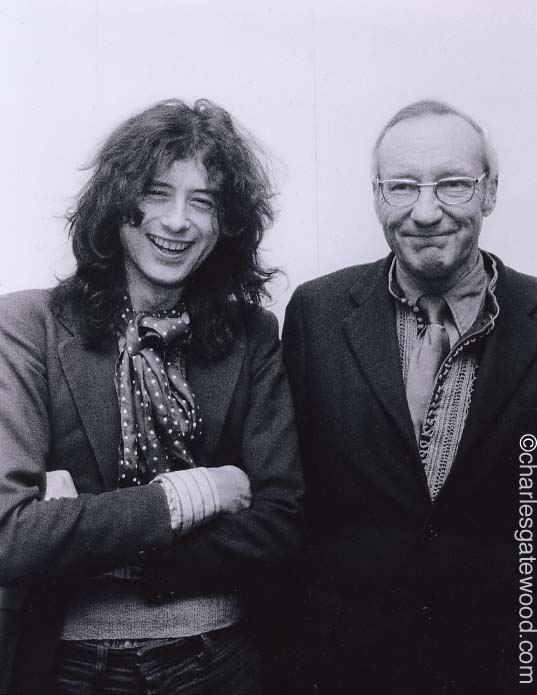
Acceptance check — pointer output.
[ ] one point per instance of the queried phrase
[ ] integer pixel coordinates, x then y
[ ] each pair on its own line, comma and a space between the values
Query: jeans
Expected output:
222, 662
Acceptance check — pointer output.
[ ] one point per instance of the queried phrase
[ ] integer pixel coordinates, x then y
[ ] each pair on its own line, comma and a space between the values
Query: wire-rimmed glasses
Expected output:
452, 190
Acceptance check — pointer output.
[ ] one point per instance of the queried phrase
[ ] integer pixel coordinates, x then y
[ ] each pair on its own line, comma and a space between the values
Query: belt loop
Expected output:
101, 658
207, 652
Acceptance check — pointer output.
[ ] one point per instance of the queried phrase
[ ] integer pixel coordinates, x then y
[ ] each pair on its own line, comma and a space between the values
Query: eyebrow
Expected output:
446, 174
157, 182
454, 173
207, 191
165, 184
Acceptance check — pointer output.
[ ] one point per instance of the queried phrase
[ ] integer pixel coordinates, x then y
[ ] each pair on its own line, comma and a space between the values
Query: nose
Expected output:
175, 216
427, 210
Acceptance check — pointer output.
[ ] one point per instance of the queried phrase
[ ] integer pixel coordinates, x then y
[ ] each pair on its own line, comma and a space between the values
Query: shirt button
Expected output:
427, 613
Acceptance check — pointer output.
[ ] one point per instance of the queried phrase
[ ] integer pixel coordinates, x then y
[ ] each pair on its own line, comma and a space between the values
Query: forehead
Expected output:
184, 172
431, 146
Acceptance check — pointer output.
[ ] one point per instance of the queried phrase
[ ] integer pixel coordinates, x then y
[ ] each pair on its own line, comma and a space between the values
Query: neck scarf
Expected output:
159, 417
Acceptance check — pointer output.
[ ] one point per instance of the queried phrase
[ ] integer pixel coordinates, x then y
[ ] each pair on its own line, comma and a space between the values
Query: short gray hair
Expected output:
434, 107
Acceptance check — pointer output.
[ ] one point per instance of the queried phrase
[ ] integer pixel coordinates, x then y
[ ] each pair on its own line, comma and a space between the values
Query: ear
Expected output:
489, 200
377, 196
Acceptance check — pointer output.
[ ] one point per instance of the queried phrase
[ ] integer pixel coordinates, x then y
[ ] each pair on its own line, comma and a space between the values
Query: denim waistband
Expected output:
188, 644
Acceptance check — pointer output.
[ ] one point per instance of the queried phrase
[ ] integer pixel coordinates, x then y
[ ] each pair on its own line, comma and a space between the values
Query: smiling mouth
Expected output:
171, 247
428, 236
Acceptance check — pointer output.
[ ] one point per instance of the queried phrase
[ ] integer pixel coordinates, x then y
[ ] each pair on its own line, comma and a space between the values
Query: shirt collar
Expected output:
465, 299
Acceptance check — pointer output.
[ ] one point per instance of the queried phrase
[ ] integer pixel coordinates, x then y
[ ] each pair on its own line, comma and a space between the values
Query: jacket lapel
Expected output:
509, 350
213, 384
372, 334
90, 375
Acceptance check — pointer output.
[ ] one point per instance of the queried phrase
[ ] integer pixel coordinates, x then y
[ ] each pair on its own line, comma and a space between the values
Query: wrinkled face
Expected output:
435, 242
178, 231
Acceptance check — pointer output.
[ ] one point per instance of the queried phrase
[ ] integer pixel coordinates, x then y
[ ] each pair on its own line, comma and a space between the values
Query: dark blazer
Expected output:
59, 411
402, 593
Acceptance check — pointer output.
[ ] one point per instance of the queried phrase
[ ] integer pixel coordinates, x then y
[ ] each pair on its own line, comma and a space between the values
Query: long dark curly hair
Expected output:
232, 280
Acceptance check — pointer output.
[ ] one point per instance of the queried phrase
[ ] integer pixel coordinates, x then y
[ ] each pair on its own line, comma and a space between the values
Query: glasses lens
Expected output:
400, 193
455, 191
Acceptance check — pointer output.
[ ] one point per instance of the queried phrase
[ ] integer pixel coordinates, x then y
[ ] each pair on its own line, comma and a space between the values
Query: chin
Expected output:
432, 267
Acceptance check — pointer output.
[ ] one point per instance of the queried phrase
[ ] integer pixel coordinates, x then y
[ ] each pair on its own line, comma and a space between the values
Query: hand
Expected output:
233, 487
60, 484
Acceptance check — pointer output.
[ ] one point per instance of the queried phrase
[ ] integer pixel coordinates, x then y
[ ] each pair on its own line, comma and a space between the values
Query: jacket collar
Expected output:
508, 352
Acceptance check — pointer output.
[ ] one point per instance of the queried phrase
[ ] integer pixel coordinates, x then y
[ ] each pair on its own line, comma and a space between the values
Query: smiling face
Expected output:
435, 242
178, 231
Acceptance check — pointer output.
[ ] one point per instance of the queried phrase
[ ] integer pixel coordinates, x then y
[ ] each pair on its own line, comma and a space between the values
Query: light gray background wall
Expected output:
313, 80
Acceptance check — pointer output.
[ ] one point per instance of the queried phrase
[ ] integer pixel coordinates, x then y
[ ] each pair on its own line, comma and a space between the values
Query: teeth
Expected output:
168, 245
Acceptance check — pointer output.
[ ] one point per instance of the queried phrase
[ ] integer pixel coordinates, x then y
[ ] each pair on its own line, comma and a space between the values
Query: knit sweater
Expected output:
111, 608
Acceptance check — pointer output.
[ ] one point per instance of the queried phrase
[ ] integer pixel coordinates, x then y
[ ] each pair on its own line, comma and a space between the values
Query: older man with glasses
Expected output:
414, 378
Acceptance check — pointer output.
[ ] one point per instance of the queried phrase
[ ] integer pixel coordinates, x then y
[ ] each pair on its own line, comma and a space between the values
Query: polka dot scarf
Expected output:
159, 417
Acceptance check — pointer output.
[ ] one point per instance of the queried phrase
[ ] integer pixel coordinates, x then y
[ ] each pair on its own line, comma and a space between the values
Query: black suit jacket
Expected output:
406, 592
59, 411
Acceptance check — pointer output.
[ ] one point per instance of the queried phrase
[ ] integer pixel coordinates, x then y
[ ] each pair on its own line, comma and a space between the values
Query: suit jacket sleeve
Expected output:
234, 547
294, 354
295, 341
50, 539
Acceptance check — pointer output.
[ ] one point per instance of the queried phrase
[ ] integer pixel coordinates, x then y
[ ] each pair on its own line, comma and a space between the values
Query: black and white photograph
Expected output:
268, 347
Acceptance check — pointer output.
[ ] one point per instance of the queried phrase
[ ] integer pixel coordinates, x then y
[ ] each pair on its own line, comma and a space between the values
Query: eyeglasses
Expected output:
455, 190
